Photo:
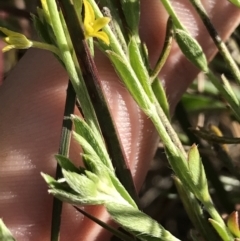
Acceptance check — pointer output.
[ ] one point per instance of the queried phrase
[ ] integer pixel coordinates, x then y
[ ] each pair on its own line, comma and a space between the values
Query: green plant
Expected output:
96, 183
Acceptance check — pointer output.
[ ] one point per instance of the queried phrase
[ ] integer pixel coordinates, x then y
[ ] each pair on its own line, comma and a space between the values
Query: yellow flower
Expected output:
15, 40
92, 26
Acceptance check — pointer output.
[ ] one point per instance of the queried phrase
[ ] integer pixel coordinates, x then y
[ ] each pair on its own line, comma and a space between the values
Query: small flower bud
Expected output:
15, 40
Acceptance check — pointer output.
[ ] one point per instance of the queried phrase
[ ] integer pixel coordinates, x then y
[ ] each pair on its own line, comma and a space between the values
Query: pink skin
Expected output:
31, 108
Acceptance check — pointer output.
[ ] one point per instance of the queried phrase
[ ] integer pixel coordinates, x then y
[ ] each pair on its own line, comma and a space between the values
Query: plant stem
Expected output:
73, 71
165, 52
172, 13
63, 150
183, 119
46, 46
217, 39
215, 216
195, 212
92, 80
234, 106
170, 131
115, 44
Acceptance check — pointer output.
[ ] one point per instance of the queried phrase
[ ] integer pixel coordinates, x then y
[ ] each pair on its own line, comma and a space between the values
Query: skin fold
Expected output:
31, 108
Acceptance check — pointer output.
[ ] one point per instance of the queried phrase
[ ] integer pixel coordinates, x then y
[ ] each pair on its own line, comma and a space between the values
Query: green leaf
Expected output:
95, 189
197, 173
220, 230
5, 234
83, 129
160, 94
97, 168
108, 177
43, 28
87, 148
224, 90
195, 211
139, 67
81, 184
78, 7
128, 76
66, 164
59, 184
191, 49
131, 10
138, 223
72, 198
121, 190
62, 190
200, 103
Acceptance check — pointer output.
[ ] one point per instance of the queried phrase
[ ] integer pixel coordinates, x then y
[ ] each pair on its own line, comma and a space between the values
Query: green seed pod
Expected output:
191, 49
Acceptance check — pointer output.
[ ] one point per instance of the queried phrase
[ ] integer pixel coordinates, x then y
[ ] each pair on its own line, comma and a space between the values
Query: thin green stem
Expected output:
73, 71
164, 135
165, 52
98, 99
172, 13
234, 106
217, 39
46, 46
161, 97
216, 216
170, 131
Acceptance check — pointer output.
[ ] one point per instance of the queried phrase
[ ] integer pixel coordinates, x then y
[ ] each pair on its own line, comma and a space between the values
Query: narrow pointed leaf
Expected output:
197, 172
5, 234
138, 223
139, 66
66, 164
128, 76
220, 230
131, 10
85, 131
